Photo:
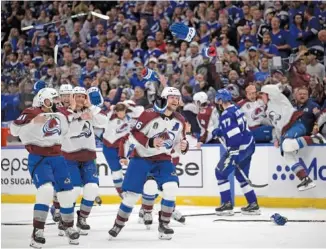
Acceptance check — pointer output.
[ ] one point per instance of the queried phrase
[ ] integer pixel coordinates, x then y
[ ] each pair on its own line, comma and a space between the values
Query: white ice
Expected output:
197, 232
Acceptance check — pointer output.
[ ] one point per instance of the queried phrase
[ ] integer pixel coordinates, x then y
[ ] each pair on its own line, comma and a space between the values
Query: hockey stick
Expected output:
67, 18
242, 173
299, 221
25, 224
206, 214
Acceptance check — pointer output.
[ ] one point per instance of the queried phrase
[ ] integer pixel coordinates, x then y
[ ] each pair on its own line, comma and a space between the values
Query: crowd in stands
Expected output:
257, 43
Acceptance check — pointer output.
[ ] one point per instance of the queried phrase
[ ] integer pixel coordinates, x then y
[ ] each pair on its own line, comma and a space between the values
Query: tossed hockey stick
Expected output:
206, 214
243, 174
300, 221
67, 18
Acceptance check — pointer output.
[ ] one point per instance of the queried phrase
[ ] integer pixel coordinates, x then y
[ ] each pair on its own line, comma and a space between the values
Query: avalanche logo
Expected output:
168, 138
274, 117
122, 128
51, 127
86, 131
257, 113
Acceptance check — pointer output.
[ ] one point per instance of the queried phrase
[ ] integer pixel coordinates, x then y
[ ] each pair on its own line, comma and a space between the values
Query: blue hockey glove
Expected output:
150, 75
278, 219
183, 32
217, 133
95, 96
234, 156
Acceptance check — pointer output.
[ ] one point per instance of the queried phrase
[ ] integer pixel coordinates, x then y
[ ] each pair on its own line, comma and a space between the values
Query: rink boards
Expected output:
197, 178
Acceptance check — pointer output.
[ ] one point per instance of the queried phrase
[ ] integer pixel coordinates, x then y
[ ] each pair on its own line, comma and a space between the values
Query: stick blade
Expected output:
258, 186
100, 15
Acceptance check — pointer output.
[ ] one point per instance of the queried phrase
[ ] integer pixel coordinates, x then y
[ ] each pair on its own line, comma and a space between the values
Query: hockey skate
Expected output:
61, 228
148, 219
141, 216
226, 209
251, 209
177, 216
72, 236
165, 232
38, 239
55, 214
82, 226
306, 184
115, 230
98, 200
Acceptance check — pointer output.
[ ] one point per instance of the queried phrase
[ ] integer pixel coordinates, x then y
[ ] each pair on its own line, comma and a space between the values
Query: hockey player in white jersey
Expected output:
157, 132
79, 151
65, 92
117, 126
254, 110
290, 129
207, 117
41, 130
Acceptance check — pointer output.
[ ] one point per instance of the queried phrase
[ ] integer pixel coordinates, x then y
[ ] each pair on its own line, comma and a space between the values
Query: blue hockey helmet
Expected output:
223, 95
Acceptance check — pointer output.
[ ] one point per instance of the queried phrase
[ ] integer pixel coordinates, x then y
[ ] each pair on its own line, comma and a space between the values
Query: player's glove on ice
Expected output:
149, 75
183, 32
95, 96
278, 219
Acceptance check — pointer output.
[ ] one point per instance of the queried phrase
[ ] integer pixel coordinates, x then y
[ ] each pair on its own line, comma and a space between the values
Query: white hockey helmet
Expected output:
65, 89
200, 98
79, 90
47, 93
170, 91
161, 103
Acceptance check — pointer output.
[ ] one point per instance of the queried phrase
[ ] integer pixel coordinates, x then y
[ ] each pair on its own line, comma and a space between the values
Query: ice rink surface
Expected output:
197, 232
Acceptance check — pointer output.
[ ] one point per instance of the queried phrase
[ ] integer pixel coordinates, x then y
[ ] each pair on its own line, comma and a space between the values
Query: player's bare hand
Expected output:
158, 142
40, 119
72, 102
86, 116
183, 145
277, 143
87, 102
123, 161
315, 110
199, 145
188, 127
315, 130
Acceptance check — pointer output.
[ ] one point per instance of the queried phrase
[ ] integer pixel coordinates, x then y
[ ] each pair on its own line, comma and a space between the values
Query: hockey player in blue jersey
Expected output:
234, 133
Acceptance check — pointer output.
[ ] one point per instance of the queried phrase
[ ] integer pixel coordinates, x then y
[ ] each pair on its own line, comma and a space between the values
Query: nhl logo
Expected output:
67, 181
155, 126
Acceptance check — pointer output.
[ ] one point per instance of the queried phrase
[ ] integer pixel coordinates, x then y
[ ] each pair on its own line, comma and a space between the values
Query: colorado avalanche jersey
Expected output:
234, 130
116, 129
254, 112
79, 143
208, 121
40, 139
279, 110
151, 125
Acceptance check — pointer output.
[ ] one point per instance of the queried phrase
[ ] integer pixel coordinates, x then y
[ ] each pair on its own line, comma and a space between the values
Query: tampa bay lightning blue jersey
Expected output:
233, 129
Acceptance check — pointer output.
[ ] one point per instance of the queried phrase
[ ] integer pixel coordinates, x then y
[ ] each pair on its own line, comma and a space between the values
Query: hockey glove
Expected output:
278, 219
95, 96
217, 133
209, 52
149, 75
183, 32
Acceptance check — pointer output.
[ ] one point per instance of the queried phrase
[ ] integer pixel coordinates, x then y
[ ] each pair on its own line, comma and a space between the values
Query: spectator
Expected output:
140, 98
314, 68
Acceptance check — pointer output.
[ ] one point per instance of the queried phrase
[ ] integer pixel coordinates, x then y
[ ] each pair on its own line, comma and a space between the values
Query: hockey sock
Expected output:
117, 177
85, 208
225, 192
40, 215
248, 192
66, 207
299, 170
167, 208
123, 214
148, 202
90, 193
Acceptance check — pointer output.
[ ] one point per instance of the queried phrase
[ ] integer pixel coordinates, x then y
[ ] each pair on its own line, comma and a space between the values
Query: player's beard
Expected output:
172, 108
219, 107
